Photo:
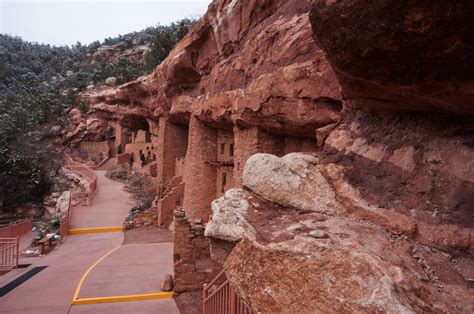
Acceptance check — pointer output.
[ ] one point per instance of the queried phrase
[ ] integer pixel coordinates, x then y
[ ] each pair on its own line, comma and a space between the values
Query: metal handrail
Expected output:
84, 171
90, 175
224, 299
225, 283
213, 281
9, 252
17, 229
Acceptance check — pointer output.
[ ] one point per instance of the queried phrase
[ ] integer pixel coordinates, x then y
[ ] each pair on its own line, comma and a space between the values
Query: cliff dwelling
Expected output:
271, 123
305, 156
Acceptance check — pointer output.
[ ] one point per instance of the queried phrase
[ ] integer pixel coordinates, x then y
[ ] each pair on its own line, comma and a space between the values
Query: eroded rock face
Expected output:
83, 127
402, 55
344, 273
417, 166
249, 63
381, 218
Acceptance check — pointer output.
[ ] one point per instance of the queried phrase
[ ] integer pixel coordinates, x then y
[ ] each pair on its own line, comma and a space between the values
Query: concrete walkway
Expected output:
109, 207
131, 269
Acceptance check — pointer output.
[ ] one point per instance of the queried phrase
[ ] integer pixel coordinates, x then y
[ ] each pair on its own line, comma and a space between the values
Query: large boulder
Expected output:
294, 180
354, 256
357, 269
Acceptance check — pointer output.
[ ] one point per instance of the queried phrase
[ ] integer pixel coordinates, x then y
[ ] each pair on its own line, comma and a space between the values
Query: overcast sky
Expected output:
64, 22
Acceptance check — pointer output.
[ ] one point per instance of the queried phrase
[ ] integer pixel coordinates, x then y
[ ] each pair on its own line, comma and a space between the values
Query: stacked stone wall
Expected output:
199, 175
168, 204
193, 265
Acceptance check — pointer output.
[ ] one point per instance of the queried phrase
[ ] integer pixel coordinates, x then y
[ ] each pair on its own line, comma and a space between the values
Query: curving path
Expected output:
130, 269
109, 207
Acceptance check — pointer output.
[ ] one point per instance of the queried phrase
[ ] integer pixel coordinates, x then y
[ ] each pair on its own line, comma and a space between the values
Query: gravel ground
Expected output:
189, 302
147, 235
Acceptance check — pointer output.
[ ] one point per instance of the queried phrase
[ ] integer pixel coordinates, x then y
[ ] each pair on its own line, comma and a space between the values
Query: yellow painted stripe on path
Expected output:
124, 298
78, 289
95, 230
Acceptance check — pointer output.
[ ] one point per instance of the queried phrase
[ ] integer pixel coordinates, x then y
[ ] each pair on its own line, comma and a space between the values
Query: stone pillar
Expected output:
172, 142
120, 135
199, 176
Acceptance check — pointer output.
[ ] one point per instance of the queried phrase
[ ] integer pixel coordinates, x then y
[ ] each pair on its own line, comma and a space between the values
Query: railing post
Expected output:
204, 296
17, 251
233, 303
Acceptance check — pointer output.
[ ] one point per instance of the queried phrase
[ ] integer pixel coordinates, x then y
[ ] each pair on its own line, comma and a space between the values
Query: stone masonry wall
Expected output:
173, 143
199, 176
224, 180
167, 205
95, 147
179, 166
299, 144
193, 265
250, 141
225, 141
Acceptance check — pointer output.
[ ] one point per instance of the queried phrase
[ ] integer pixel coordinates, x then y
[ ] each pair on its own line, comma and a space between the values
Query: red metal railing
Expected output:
91, 177
220, 297
85, 172
9, 251
16, 229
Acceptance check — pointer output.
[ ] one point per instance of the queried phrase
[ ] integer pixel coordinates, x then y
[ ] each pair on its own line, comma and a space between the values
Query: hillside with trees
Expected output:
39, 84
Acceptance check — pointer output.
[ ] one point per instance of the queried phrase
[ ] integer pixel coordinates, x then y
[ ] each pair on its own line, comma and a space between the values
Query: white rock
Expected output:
55, 129
294, 180
228, 217
62, 204
318, 234
111, 81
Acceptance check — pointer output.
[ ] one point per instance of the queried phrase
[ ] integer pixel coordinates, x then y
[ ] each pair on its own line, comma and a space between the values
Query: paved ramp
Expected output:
109, 207
130, 269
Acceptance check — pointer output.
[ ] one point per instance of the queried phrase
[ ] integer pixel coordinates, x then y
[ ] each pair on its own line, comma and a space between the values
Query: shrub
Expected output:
52, 223
117, 173
22, 179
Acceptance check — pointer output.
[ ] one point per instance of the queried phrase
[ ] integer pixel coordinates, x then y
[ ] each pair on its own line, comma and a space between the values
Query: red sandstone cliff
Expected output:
245, 63
392, 192
378, 219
